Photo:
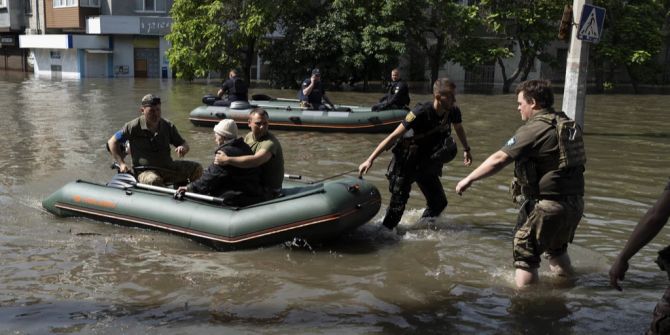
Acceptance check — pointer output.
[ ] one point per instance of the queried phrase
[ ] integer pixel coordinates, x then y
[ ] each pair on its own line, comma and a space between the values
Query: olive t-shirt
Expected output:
272, 172
537, 140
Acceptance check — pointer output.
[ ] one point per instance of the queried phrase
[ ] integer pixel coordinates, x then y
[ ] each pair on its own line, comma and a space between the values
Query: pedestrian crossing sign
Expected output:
591, 23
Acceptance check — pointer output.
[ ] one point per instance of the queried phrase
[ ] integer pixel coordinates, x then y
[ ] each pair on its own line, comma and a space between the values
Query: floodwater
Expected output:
79, 276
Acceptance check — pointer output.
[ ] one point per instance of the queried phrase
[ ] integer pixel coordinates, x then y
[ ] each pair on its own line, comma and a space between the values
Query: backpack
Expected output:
570, 140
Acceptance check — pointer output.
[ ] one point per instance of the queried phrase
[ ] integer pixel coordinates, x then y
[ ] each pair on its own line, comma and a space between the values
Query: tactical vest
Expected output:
570, 146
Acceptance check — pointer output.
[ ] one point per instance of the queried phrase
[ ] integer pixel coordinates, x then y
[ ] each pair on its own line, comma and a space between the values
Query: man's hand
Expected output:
463, 185
364, 167
123, 168
617, 273
220, 158
314, 78
181, 150
467, 158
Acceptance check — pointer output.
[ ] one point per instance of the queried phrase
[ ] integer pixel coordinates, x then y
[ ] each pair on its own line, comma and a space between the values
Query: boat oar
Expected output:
126, 179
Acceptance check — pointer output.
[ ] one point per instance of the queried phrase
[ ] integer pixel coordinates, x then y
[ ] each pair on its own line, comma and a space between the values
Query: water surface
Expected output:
78, 276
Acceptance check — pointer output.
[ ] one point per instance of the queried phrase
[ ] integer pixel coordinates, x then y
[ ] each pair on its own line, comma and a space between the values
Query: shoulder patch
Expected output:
510, 142
410, 117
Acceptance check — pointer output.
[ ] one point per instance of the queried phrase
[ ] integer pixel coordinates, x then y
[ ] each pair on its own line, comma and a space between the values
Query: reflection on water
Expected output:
453, 275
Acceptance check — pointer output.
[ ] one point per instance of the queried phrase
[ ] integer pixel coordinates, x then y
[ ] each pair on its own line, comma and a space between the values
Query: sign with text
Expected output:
155, 25
591, 23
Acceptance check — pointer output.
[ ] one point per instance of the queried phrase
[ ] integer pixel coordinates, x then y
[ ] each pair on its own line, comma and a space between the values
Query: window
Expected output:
150, 5
3, 3
65, 3
89, 3
28, 7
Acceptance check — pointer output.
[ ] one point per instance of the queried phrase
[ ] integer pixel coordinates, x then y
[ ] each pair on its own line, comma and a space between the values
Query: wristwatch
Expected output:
466, 149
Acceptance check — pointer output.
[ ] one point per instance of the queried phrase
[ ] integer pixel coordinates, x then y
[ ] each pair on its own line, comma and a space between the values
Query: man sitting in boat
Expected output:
397, 94
234, 88
237, 186
312, 94
150, 137
268, 154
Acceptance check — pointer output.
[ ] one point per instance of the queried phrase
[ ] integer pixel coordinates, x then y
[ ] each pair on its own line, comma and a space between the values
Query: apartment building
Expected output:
14, 18
99, 38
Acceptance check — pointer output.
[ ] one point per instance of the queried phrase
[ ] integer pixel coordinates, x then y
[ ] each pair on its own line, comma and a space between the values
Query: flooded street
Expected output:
79, 276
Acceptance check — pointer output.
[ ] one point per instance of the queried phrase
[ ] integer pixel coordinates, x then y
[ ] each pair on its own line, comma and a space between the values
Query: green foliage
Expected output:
214, 35
353, 40
631, 38
523, 26
345, 38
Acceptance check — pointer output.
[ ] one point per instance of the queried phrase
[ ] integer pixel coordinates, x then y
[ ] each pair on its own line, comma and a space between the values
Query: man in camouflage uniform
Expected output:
648, 227
549, 157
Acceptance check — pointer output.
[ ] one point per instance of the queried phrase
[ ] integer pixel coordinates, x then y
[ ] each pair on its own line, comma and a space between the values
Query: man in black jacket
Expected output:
237, 186
234, 88
397, 94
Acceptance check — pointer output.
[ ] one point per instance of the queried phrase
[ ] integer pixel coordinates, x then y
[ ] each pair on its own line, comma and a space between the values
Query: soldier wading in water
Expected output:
422, 144
549, 157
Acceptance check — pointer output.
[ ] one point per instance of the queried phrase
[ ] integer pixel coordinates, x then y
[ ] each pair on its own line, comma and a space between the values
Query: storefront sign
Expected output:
7, 40
155, 25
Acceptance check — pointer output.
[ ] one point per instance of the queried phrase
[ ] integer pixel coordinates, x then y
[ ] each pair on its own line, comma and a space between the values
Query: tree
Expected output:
445, 31
526, 26
347, 39
631, 38
217, 35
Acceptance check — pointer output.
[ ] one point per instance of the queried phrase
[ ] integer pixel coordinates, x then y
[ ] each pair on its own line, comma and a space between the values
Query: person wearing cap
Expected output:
397, 94
267, 154
235, 89
422, 144
312, 94
237, 186
150, 137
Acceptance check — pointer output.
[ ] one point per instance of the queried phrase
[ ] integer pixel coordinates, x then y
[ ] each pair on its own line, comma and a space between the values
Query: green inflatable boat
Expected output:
286, 114
313, 212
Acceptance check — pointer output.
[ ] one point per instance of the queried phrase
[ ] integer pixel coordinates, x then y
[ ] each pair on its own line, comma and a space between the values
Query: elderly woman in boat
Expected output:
237, 186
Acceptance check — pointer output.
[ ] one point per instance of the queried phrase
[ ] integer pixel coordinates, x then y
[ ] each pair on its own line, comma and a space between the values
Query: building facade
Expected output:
100, 38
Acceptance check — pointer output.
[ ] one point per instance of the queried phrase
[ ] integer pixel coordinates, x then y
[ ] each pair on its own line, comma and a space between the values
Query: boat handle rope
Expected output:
333, 176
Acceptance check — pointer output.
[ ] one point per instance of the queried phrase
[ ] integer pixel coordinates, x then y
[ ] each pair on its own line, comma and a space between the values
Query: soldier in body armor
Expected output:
648, 227
549, 157
397, 94
422, 144
234, 88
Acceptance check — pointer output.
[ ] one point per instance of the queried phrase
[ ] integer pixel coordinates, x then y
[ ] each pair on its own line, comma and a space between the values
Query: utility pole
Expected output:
574, 92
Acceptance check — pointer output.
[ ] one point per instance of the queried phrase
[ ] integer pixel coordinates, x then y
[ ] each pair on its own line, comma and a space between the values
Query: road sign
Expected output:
591, 23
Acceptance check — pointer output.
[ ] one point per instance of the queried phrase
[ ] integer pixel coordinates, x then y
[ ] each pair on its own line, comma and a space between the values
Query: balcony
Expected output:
70, 15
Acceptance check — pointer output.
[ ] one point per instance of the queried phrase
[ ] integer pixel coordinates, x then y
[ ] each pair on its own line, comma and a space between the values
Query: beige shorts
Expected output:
178, 173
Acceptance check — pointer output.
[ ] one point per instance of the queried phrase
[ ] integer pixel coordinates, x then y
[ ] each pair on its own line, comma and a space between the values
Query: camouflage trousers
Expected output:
660, 324
178, 173
545, 226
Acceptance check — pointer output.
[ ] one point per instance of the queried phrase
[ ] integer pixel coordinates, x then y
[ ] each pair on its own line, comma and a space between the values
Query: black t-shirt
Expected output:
423, 119
236, 89
315, 97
